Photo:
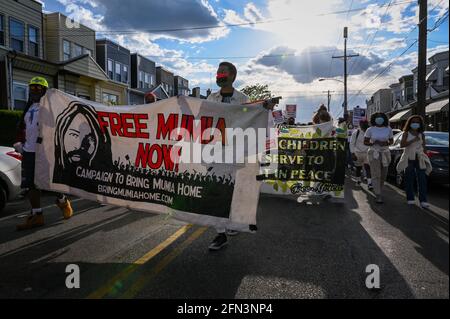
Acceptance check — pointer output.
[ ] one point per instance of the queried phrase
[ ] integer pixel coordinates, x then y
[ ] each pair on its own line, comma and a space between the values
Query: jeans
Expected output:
413, 173
366, 169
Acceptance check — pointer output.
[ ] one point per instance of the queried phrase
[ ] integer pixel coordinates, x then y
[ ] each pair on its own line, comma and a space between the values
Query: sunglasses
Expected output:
36, 88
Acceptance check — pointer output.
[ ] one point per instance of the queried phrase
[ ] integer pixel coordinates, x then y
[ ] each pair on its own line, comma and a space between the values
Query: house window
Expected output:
141, 79
66, 50
147, 80
118, 72
87, 51
152, 80
20, 94
77, 50
110, 99
17, 35
409, 94
111, 69
2, 30
125, 73
33, 41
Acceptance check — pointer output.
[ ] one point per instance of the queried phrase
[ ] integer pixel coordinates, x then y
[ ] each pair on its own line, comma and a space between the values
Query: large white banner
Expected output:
160, 157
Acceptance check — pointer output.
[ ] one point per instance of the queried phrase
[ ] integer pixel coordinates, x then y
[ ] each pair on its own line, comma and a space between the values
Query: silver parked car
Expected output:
10, 175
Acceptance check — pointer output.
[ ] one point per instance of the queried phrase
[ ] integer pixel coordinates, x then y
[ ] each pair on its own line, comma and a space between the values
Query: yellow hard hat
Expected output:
37, 80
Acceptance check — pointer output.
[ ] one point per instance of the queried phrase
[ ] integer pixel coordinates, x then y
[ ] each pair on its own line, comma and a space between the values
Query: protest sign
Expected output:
358, 115
291, 110
153, 157
277, 117
307, 161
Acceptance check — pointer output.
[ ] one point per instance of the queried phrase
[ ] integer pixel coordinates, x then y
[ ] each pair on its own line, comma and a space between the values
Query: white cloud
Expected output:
252, 13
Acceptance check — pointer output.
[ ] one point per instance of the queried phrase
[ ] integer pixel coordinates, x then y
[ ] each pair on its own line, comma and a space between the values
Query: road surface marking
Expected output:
105, 289
144, 279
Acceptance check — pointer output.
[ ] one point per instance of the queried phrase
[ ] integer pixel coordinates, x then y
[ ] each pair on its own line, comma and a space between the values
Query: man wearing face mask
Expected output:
359, 152
226, 75
27, 138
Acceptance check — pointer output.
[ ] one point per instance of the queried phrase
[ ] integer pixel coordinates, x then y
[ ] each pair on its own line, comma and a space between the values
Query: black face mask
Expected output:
223, 80
35, 97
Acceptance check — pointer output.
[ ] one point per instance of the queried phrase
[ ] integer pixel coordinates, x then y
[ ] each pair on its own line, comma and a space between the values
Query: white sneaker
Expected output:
424, 205
411, 202
231, 232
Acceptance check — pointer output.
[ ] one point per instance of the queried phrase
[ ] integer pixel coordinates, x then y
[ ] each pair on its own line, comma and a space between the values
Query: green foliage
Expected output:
257, 92
8, 126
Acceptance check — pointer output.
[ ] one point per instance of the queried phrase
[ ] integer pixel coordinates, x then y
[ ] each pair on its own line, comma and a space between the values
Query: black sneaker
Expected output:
218, 242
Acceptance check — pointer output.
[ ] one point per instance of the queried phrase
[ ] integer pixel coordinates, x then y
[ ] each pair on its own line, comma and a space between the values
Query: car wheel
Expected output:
2, 198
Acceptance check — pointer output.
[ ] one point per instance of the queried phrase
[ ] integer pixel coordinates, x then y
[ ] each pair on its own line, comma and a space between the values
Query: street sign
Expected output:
291, 110
278, 117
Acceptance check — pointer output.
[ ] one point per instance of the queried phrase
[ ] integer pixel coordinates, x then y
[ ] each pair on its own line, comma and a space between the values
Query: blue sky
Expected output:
299, 36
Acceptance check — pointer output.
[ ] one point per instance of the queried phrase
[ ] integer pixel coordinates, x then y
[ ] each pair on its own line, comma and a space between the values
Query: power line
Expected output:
161, 30
387, 67
365, 8
406, 37
284, 55
224, 25
358, 62
439, 42
437, 24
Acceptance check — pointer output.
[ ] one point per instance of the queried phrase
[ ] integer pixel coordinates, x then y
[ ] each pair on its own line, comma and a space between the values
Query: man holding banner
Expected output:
27, 141
226, 75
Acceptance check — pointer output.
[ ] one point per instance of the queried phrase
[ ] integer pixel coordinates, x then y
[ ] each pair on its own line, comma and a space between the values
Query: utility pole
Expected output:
422, 61
329, 98
345, 56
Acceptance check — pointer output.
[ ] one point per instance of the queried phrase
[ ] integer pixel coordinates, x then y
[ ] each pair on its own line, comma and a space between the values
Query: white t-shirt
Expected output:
382, 134
31, 128
357, 142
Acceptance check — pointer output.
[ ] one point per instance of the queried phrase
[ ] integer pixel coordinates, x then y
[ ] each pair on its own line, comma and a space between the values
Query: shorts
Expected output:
361, 159
28, 161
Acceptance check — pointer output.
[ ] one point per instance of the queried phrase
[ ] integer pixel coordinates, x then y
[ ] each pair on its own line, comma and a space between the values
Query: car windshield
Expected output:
436, 138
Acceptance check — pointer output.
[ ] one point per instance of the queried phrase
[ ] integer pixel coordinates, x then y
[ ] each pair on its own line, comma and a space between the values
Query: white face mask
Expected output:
379, 121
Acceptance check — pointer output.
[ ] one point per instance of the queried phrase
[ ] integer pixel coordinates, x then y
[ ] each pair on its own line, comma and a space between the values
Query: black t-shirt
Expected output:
226, 97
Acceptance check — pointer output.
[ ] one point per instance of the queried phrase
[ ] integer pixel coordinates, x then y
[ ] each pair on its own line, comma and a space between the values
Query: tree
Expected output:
257, 92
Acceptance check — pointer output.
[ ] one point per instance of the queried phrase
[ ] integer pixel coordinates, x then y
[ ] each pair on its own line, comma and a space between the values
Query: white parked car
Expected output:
10, 174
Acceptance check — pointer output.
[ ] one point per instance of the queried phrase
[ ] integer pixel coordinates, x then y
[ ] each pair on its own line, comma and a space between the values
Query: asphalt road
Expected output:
299, 251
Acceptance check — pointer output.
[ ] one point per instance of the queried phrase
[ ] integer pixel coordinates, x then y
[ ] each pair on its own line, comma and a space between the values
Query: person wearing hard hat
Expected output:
27, 138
